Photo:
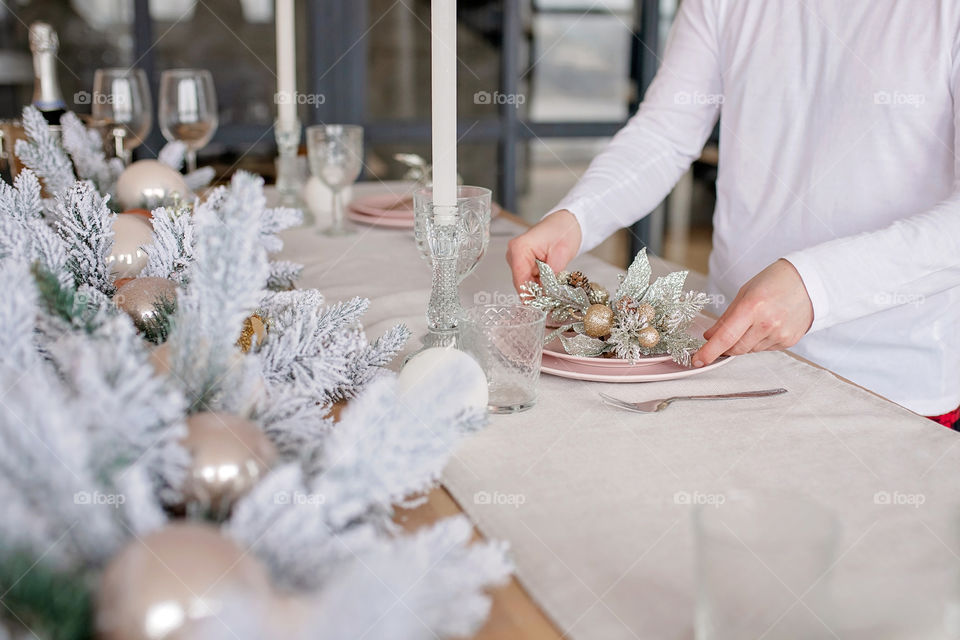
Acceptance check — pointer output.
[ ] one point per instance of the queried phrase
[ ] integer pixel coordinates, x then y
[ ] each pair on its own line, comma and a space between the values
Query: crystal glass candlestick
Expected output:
289, 180
444, 240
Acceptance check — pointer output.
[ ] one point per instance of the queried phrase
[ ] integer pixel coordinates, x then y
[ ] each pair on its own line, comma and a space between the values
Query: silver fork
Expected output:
652, 406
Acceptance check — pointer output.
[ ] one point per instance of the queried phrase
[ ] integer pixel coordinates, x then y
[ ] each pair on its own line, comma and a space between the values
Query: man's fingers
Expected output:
724, 334
750, 341
522, 264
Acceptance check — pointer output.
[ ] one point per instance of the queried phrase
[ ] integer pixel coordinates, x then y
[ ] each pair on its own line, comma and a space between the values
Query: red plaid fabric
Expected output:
951, 419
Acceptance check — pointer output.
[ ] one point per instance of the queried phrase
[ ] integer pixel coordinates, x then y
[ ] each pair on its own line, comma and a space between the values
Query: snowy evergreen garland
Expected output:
90, 433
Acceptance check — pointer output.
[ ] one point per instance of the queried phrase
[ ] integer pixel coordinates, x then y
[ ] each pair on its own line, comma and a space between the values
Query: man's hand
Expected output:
771, 312
554, 240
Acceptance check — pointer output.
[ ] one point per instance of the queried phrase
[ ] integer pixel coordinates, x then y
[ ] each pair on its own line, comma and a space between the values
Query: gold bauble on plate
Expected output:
598, 320
149, 183
648, 337
170, 583
647, 313
138, 298
130, 235
229, 455
253, 327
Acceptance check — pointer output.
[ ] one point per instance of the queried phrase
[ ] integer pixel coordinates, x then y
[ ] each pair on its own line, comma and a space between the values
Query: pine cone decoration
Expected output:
647, 313
626, 303
577, 279
597, 294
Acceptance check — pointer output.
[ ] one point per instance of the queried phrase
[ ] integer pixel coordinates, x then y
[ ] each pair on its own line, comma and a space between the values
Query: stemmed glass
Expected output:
122, 105
473, 207
335, 152
188, 109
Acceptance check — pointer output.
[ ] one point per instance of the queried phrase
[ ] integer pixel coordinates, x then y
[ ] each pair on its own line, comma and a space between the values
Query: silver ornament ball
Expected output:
139, 297
172, 582
131, 233
229, 455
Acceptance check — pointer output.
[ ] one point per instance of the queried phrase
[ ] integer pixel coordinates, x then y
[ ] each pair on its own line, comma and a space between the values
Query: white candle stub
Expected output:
418, 376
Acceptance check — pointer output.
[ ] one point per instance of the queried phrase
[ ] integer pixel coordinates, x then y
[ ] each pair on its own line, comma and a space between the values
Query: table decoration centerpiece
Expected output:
98, 465
641, 319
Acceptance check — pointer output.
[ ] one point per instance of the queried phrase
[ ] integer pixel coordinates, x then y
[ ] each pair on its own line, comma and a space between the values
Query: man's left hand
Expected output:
771, 312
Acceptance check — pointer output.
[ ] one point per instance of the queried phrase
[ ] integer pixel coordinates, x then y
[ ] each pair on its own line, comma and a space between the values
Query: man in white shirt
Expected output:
837, 224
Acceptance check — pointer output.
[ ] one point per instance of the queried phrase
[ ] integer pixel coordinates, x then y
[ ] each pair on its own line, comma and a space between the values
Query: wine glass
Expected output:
473, 207
188, 109
121, 103
335, 152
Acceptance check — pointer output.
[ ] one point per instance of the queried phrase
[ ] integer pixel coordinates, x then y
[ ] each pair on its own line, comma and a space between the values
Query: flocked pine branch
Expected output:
135, 414
228, 273
86, 151
44, 454
285, 525
18, 313
44, 154
367, 363
85, 224
309, 348
388, 447
283, 275
25, 236
419, 587
171, 252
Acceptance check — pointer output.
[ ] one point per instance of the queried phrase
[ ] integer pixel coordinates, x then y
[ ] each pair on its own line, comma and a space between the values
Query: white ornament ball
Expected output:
319, 199
147, 183
130, 234
420, 373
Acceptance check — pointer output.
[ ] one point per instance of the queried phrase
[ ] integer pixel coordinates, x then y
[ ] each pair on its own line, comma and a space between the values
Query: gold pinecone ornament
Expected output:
648, 337
647, 313
577, 279
598, 321
597, 294
625, 304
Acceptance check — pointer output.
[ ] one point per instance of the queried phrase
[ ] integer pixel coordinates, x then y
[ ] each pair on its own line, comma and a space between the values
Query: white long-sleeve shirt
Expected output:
839, 147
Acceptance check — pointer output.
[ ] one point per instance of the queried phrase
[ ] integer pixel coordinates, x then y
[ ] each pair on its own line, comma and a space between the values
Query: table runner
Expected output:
596, 501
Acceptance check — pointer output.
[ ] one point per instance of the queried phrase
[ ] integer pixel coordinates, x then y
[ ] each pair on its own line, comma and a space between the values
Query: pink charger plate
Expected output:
381, 221
655, 372
387, 205
390, 205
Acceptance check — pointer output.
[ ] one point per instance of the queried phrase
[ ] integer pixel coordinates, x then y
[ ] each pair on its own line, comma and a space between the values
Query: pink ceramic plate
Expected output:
606, 365
387, 205
646, 373
381, 221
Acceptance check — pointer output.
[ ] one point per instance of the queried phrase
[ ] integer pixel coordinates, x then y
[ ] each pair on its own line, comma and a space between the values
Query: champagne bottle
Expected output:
46, 87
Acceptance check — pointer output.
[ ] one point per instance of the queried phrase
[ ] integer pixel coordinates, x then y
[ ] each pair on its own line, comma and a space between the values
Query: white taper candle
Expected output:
286, 65
443, 48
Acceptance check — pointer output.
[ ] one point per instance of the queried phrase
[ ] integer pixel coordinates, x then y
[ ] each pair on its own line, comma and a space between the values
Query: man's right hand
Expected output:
554, 240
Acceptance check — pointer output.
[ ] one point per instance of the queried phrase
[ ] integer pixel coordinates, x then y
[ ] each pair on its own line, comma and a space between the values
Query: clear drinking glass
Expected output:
507, 341
335, 152
121, 103
188, 109
473, 207
763, 560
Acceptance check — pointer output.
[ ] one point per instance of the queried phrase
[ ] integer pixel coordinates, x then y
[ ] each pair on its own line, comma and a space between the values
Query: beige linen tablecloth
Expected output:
594, 500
